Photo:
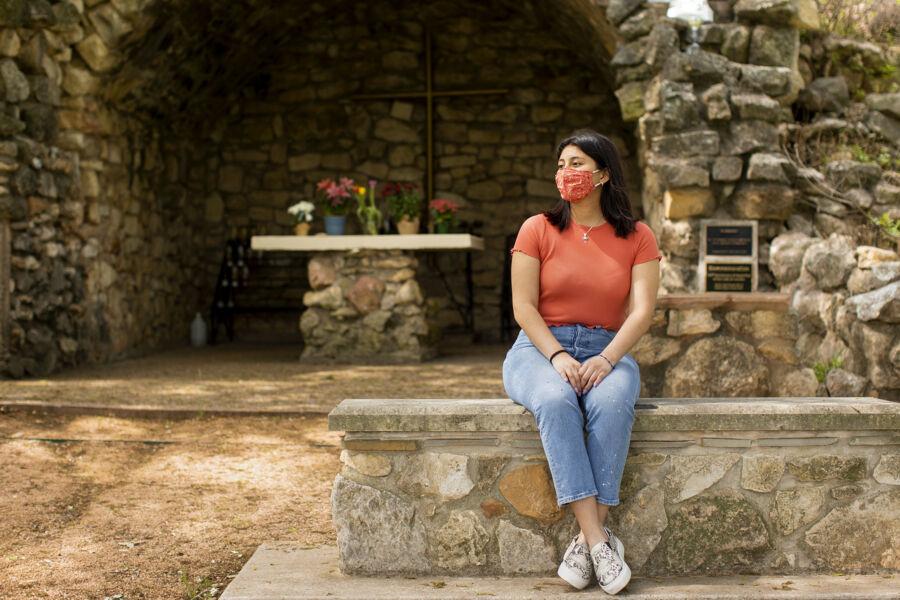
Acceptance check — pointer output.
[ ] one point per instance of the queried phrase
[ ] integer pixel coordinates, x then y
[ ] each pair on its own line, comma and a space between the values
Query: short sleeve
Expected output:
529, 238
647, 248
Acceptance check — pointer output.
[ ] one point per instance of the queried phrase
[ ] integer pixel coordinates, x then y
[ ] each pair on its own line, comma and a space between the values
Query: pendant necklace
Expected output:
584, 236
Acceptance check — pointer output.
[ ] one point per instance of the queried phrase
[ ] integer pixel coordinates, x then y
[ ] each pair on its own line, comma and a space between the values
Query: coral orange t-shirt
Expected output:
584, 282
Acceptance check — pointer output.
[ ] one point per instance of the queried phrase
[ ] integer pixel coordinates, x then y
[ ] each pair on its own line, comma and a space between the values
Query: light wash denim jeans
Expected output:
585, 437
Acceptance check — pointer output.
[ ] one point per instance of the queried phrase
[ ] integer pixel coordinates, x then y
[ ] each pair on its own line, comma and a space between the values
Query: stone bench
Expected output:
711, 486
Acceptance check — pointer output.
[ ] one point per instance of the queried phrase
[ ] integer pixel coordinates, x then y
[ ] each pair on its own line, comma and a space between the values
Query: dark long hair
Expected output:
614, 202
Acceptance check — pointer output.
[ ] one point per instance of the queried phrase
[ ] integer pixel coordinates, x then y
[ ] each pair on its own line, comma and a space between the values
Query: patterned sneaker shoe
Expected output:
615, 542
576, 567
612, 572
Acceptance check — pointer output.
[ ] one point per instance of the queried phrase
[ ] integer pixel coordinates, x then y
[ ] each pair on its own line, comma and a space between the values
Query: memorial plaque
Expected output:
729, 277
728, 255
729, 240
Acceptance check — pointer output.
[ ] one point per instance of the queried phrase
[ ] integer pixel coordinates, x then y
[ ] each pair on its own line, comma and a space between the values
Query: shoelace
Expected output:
606, 565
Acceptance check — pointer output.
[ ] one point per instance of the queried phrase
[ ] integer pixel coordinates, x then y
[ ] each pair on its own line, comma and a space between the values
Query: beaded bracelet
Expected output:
555, 353
611, 366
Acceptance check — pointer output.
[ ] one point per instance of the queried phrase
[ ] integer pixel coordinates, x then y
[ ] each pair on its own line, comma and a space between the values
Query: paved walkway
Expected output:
286, 571
255, 378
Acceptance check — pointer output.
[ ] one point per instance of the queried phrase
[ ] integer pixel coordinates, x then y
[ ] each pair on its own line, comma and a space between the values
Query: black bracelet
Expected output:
611, 366
555, 353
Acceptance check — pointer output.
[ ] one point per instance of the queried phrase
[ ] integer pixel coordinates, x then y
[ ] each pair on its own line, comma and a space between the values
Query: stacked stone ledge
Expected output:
366, 305
713, 487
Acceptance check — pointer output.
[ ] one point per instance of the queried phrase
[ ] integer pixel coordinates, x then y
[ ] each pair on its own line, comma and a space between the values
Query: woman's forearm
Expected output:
636, 325
531, 321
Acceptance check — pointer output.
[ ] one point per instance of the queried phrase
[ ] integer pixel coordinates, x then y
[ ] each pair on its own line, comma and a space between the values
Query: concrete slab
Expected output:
285, 571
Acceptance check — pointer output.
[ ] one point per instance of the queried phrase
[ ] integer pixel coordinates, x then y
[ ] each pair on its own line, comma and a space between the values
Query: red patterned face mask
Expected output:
574, 185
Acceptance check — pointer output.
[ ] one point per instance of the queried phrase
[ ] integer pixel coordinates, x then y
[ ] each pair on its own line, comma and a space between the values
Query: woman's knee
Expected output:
551, 399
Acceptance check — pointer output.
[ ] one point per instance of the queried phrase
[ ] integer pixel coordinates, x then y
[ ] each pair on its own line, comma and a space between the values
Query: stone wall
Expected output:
117, 221
494, 154
104, 247
713, 488
725, 352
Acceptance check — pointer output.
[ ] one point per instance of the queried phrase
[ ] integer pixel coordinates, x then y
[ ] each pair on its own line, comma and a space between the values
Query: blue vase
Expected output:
334, 224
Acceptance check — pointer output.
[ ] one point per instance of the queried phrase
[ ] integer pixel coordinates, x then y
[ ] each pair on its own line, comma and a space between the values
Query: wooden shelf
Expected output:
776, 301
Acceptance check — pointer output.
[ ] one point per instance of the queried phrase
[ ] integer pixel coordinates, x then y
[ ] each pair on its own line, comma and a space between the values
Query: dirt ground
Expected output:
262, 376
95, 507
99, 507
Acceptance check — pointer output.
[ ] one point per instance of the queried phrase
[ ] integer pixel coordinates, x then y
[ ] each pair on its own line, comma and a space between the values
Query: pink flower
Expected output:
324, 184
442, 206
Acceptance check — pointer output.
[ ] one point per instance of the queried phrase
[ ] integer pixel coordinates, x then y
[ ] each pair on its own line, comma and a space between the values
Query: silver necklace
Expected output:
584, 236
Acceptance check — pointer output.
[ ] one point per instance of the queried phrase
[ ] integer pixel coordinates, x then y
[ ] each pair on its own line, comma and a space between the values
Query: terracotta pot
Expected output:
407, 226
301, 229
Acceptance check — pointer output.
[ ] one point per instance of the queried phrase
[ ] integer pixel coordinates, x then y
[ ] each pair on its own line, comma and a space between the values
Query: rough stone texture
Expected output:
793, 383
690, 475
522, 551
715, 533
840, 382
377, 532
830, 261
827, 466
442, 475
686, 509
888, 469
530, 490
652, 350
761, 473
691, 322
640, 523
796, 507
372, 309
461, 542
763, 201
719, 366
882, 304
373, 465
869, 532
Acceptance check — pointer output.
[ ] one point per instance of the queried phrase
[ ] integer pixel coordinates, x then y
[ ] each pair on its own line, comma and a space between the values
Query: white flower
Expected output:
303, 210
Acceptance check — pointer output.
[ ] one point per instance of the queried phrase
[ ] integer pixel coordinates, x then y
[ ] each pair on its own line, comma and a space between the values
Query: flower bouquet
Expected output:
404, 204
303, 213
443, 214
368, 214
335, 199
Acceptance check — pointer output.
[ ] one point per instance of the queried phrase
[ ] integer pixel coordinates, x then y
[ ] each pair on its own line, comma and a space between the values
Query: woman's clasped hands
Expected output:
581, 376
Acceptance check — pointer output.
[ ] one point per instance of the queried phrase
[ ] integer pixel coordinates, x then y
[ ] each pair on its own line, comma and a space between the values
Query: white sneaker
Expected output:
576, 568
609, 566
615, 542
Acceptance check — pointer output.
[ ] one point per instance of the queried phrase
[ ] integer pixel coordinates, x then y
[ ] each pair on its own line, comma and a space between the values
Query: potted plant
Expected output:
335, 199
404, 205
368, 214
303, 213
443, 214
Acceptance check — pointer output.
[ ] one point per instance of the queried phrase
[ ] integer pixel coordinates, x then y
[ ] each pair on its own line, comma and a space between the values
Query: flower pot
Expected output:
334, 224
407, 226
301, 228
442, 227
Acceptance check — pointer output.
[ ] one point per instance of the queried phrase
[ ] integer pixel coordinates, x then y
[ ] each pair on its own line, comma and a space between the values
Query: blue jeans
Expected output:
585, 437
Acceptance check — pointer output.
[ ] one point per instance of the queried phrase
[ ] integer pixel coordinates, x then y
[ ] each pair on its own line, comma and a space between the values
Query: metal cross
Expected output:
429, 94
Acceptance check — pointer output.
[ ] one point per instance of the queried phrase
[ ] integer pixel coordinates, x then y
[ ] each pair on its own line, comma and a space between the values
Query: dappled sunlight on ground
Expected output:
262, 377
99, 511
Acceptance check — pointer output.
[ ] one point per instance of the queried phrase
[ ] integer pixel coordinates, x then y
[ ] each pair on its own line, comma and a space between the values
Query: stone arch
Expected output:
127, 203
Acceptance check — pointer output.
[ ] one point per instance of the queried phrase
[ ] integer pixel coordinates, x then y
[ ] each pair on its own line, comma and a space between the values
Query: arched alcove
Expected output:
251, 104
